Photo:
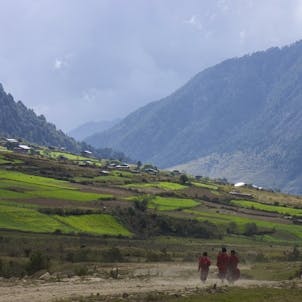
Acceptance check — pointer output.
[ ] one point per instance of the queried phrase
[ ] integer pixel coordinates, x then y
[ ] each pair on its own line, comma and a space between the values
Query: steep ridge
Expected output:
17, 121
250, 105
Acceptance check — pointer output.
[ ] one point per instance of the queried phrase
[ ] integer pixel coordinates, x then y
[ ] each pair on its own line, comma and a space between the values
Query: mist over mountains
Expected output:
239, 119
87, 129
17, 121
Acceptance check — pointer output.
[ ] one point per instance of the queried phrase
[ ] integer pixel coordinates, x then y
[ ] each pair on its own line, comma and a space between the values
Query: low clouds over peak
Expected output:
98, 60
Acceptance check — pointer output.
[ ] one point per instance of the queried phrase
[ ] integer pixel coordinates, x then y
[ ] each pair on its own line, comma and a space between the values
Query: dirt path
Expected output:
150, 278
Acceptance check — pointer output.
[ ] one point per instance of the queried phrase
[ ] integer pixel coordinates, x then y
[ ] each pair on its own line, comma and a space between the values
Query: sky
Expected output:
76, 61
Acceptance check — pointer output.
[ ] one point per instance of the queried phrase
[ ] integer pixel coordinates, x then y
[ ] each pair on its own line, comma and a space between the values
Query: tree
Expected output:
183, 178
138, 165
250, 229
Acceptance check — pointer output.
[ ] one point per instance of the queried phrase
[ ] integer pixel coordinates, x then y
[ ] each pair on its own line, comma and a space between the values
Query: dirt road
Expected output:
143, 278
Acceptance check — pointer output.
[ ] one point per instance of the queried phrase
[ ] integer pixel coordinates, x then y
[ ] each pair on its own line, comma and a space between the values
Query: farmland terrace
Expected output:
68, 219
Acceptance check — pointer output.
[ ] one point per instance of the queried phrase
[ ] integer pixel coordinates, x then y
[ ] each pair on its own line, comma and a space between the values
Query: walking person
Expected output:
222, 264
203, 266
233, 270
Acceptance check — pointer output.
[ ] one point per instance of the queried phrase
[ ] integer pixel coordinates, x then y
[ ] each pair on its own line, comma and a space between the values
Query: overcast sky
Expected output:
81, 60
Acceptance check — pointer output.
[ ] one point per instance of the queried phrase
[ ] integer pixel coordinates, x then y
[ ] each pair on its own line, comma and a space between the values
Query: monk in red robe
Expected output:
203, 266
222, 264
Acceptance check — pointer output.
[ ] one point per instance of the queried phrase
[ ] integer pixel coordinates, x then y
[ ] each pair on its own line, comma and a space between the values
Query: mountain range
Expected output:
17, 121
90, 128
240, 119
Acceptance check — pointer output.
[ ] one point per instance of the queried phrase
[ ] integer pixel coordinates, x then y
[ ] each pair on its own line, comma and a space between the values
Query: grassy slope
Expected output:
17, 189
161, 185
17, 218
268, 208
95, 224
169, 204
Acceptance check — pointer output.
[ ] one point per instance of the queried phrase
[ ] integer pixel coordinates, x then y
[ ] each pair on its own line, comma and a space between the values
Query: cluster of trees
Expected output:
68, 211
145, 224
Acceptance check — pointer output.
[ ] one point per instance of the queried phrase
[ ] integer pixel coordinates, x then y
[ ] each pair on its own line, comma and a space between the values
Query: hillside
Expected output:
17, 121
71, 195
20, 122
246, 110
126, 228
88, 129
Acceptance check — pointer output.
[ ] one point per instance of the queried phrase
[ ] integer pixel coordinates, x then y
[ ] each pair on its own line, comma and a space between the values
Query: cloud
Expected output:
63, 61
104, 62
58, 64
223, 6
242, 35
195, 22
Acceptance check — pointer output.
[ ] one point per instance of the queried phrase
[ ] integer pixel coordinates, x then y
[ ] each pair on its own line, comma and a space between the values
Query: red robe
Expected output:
222, 264
203, 266
234, 272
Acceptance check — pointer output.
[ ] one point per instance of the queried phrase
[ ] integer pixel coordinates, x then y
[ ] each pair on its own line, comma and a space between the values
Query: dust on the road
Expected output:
135, 278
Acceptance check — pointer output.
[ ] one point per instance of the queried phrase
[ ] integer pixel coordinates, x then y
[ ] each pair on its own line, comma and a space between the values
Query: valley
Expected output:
76, 219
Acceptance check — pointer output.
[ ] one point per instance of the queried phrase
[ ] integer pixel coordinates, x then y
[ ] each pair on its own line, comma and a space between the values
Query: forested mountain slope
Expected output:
17, 121
250, 106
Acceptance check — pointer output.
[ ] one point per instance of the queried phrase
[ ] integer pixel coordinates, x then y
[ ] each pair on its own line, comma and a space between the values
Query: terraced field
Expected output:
268, 208
101, 224
30, 220
161, 185
170, 204
23, 192
20, 186
18, 191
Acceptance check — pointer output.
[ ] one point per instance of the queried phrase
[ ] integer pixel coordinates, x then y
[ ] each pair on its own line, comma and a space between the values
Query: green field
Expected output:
283, 231
25, 219
170, 204
4, 161
97, 224
161, 185
19, 186
268, 208
32, 179
17, 218
205, 185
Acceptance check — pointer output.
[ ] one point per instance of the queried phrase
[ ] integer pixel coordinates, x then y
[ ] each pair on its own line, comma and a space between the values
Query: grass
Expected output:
70, 195
222, 294
165, 185
32, 179
57, 154
98, 224
20, 186
257, 294
268, 208
169, 204
203, 185
4, 161
269, 197
283, 232
275, 271
16, 218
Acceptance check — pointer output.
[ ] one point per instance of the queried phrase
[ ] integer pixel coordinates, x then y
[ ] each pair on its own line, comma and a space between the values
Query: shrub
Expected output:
183, 179
250, 229
112, 255
294, 255
37, 262
81, 271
